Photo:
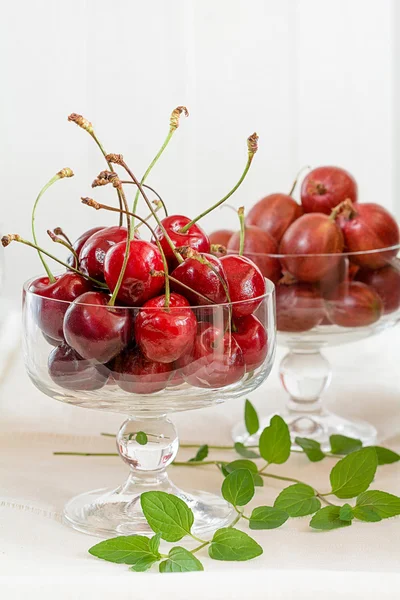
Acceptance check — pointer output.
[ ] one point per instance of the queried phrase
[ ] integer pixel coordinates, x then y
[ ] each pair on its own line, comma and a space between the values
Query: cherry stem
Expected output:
97, 206
59, 231
189, 289
174, 124
157, 205
297, 178
58, 240
159, 223
252, 149
60, 175
7, 239
87, 126
240, 213
148, 187
345, 205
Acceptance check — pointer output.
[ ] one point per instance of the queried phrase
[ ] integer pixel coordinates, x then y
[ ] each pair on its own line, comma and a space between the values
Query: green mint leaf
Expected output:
298, 500
180, 560
167, 515
346, 513
383, 504
141, 438
251, 418
258, 480
241, 464
136, 550
238, 487
245, 452
386, 456
311, 448
275, 441
328, 518
267, 517
154, 543
201, 454
363, 513
231, 544
341, 444
354, 473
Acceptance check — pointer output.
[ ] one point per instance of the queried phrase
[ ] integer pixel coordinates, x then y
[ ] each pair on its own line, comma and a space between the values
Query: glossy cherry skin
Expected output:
299, 307
369, 227
386, 283
198, 275
221, 237
215, 361
72, 372
93, 252
164, 334
78, 244
252, 338
257, 245
245, 282
97, 331
194, 237
274, 214
354, 304
138, 285
311, 234
136, 374
50, 314
326, 187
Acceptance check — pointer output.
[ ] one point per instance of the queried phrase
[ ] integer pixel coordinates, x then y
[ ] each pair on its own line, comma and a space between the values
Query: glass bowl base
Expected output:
108, 513
317, 426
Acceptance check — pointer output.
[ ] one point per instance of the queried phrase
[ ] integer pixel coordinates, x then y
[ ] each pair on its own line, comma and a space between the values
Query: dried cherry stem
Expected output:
98, 206
60, 175
297, 178
346, 207
188, 252
58, 240
157, 205
148, 187
240, 213
87, 126
173, 126
252, 145
189, 289
119, 159
14, 237
60, 232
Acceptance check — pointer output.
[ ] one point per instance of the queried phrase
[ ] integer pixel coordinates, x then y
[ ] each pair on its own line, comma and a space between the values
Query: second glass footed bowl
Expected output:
325, 300
227, 354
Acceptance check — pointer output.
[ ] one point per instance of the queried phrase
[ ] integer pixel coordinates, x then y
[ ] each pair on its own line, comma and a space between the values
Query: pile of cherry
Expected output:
305, 249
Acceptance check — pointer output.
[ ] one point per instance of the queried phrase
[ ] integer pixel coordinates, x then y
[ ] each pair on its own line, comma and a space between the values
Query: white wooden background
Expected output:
316, 79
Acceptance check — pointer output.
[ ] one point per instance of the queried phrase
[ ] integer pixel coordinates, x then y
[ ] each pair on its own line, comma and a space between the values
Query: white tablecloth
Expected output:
41, 558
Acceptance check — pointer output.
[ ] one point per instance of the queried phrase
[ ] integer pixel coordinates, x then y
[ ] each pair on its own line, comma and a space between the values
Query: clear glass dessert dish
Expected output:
349, 301
216, 366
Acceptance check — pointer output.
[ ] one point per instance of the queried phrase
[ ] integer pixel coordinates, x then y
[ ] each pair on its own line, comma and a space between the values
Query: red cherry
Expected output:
311, 234
326, 187
50, 314
252, 338
220, 237
258, 242
72, 372
93, 252
369, 227
386, 283
194, 237
78, 244
94, 330
164, 334
136, 374
215, 361
138, 285
299, 307
354, 304
274, 214
198, 275
245, 282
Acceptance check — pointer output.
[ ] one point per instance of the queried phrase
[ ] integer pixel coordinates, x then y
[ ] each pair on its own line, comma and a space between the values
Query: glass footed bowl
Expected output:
212, 369
341, 298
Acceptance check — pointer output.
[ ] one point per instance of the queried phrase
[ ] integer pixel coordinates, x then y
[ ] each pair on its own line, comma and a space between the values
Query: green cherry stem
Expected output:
240, 213
252, 145
157, 205
58, 240
60, 175
147, 187
173, 126
13, 237
60, 232
297, 178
